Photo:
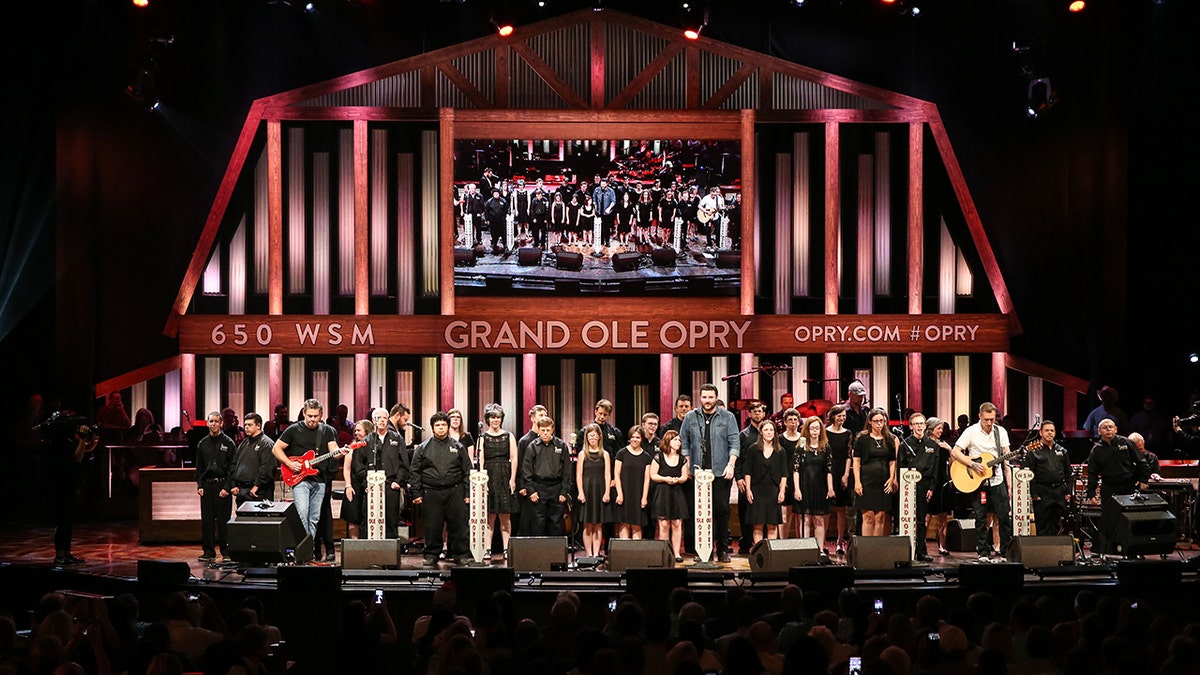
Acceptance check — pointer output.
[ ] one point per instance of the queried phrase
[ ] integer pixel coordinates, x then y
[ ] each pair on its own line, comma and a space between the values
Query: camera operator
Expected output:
69, 439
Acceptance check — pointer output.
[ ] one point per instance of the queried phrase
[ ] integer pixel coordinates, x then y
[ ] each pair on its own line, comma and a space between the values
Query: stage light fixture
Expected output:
309, 8
141, 3
504, 23
1076, 6
143, 90
691, 29
1193, 358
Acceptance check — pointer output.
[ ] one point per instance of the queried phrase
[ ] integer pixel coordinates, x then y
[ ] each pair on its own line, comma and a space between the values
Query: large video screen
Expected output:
592, 216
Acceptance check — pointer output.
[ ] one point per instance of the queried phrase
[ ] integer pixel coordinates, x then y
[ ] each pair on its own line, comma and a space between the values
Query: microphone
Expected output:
418, 427
1037, 420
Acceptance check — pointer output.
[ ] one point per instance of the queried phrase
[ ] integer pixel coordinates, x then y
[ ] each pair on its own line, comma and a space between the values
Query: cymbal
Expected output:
742, 403
815, 407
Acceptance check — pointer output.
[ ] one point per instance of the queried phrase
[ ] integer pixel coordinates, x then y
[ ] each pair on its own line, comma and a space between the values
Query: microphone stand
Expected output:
764, 368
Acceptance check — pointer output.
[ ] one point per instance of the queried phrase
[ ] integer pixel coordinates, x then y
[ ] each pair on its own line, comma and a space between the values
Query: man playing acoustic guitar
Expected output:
977, 449
297, 440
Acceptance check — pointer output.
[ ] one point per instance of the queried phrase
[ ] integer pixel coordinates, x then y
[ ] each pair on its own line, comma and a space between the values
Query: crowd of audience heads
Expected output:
749, 633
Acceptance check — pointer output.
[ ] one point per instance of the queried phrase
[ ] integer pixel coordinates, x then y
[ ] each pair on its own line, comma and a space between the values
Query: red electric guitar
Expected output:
310, 459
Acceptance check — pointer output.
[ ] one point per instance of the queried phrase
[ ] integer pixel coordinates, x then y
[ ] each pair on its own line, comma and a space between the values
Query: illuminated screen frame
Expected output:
455, 125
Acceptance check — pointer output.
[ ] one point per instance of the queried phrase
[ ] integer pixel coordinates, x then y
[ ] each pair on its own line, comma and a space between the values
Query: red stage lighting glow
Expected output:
505, 29
141, 3
1076, 6
692, 34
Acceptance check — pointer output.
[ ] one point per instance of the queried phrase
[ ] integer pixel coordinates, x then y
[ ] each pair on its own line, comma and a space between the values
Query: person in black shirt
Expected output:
439, 472
214, 479
254, 466
295, 441
922, 453
547, 476
520, 525
683, 405
612, 437
67, 446
1122, 467
385, 449
1052, 483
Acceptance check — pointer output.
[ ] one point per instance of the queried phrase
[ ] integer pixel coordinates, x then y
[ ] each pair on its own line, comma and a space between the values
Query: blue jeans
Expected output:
308, 496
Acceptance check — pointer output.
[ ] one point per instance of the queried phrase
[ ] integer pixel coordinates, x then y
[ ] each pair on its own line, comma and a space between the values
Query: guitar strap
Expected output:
999, 452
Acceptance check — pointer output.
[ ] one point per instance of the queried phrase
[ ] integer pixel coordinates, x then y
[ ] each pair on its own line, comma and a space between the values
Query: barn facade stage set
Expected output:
341, 261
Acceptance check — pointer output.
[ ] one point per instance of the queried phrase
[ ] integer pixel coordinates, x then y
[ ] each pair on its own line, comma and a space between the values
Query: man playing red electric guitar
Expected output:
315, 436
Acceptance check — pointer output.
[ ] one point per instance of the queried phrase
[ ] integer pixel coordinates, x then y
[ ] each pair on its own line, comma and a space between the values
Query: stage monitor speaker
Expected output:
480, 251
878, 553
538, 554
780, 555
464, 257
568, 260
498, 284
163, 572
528, 256
960, 535
1147, 501
997, 578
626, 261
828, 579
366, 554
305, 581
664, 257
1033, 552
1152, 574
652, 586
472, 584
624, 554
273, 534
729, 260
1144, 533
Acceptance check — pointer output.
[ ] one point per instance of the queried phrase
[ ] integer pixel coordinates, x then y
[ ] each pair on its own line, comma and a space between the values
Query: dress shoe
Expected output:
207, 558
723, 557
67, 559
924, 557
430, 562
942, 551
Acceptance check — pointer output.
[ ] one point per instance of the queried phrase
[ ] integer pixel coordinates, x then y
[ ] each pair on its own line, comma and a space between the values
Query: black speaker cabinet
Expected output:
529, 256
829, 579
652, 586
568, 260
729, 260
663, 257
464, 257
262, 534
878, 553
538, 554
960, 535
366, 554
1035, 552
163, 572
1152, 574
626, 261
1144, 533
306, 581
780, 555
994, 577
473, 584
624, 554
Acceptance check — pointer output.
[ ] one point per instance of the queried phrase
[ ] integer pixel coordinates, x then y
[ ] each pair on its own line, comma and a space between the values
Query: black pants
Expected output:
324, 542
539, 231
997, 501
65, 492
391, 511
720, 512
1049, 510
922, 512
445, 508
746, 540
546, 515
214, 517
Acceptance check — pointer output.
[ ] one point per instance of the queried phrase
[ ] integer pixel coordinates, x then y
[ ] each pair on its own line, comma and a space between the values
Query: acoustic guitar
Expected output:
704, 215
309, 460
968, 481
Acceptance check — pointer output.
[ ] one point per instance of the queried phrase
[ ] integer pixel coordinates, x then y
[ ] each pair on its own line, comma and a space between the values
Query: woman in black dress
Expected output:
944, 496
669, 471
766, 470
645, 217
558, 220
585, 221
789, 440
626, 213
668, 209
573, 228
812, 474
593, 475
839, 449
355, 475
632, 472
500, 461
875, 451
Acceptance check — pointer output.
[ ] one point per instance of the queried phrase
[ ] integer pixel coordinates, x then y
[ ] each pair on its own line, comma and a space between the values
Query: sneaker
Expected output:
840, 550
942, 551
999, 559
207, 558
430, 562
330, 558
983, 558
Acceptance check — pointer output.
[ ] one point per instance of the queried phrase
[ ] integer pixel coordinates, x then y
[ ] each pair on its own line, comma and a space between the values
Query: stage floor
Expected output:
111, 549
